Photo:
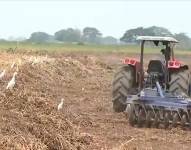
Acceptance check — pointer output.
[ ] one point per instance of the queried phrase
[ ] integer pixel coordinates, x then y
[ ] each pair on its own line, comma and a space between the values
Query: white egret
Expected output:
11, 83
35, 61
61, 104
13, 65
31, 59
2, 74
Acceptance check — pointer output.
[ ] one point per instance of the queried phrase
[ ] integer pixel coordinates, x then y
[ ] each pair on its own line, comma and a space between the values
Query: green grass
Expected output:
64, 47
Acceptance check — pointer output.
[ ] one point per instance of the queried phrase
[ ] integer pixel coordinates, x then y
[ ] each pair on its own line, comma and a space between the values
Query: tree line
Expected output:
92, 35
88, 35
130, 35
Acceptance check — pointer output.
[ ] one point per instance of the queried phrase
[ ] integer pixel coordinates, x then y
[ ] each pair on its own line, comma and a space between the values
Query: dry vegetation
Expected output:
29, 118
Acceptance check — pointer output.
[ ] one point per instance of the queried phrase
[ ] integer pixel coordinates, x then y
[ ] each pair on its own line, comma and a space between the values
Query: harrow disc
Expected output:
156, 120
184, 120
175, 119
166, 119
148, 120
141, 117
132, 115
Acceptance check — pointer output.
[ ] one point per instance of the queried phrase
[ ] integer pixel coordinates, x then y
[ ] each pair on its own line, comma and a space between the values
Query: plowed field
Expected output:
29, 118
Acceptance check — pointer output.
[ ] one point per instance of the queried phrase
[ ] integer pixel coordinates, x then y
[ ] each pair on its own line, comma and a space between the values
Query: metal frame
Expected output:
167, 42
157, 38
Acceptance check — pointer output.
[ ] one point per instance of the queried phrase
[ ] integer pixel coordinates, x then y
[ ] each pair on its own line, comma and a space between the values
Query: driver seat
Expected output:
156, 66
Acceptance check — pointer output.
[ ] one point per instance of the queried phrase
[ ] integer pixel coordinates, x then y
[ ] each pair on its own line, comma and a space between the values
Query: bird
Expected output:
31, 59
2, 74
35, 61
11, 83
61, 104
17, 69
13, 64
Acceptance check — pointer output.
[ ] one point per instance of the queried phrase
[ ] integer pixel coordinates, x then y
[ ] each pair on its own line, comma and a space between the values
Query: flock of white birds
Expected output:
12, 82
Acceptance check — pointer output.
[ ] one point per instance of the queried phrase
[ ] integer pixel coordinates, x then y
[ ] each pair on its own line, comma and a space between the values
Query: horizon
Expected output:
111, 18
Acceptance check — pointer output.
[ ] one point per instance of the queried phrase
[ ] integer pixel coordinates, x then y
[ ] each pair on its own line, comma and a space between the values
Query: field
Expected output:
66, 47
82, 75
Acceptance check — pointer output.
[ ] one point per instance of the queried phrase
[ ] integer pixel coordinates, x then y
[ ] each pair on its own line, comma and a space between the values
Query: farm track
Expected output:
29, 118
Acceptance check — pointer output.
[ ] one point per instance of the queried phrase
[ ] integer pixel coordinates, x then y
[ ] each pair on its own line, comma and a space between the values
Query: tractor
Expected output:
158, 94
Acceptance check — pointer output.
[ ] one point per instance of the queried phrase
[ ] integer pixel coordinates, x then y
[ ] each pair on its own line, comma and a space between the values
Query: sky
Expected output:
111, 17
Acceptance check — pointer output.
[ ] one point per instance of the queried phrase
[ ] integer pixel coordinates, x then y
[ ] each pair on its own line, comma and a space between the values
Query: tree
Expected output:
91, 35
184, 40
68, 35
39, 37
131, 35
157, 31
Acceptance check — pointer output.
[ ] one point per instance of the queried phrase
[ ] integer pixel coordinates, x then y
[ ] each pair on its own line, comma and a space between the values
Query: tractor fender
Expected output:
175, 64
135, 64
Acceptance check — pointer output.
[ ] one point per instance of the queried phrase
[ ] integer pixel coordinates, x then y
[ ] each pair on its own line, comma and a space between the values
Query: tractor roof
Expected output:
157, 38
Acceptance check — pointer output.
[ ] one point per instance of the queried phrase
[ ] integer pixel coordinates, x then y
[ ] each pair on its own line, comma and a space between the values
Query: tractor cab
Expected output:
157, 69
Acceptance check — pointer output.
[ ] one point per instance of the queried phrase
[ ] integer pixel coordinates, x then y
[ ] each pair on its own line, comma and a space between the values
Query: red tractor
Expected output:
172, 75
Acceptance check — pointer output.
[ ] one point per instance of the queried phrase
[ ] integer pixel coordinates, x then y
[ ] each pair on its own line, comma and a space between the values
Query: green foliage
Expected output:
131, 35
91, 48
157, 31
39, 37
184, 40
69, 47
68, 35
91, 35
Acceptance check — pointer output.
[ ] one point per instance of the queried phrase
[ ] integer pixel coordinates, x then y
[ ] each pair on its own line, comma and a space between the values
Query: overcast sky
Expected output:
21, 18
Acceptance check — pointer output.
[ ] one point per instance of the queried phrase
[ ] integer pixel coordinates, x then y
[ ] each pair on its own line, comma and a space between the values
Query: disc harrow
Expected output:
153, 108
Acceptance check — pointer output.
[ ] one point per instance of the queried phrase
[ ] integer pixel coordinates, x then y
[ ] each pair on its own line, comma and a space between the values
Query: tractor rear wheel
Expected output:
122, 83
180, 83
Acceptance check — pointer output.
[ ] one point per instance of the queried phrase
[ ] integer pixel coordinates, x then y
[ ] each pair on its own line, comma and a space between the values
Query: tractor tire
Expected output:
123, 81
180, 83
